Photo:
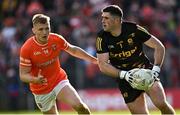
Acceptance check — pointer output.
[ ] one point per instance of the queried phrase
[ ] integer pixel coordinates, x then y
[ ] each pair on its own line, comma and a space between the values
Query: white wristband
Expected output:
156, 68
122, 74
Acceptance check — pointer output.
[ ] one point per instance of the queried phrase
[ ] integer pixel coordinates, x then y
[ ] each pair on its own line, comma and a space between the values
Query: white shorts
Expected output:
46, 101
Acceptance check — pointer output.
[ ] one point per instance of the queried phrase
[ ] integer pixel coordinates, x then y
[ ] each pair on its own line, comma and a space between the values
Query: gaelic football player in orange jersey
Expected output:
40, 67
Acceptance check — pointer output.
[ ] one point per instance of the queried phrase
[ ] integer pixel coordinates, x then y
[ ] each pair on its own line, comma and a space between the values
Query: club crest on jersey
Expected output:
54, 47
130, 41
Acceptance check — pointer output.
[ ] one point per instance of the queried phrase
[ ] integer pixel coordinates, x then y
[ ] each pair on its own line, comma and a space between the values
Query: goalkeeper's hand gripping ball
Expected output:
142, 79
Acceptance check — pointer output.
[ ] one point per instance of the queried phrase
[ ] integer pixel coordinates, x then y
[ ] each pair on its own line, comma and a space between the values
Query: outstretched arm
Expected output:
80, 53
110, 70
106, 67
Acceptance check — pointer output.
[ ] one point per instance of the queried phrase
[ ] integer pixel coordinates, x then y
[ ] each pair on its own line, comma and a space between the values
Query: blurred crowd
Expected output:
79, 21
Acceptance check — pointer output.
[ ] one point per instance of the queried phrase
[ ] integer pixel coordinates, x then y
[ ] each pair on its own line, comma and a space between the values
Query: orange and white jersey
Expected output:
46, 58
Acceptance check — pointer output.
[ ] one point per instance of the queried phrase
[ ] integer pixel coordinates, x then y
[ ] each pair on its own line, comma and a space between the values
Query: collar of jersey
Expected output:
39, 43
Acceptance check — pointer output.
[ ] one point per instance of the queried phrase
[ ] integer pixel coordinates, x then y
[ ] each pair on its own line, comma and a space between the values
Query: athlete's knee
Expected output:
165, 108
161, 104
81, 108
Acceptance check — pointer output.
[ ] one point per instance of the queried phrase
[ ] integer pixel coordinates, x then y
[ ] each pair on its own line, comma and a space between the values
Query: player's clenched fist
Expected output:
40, 79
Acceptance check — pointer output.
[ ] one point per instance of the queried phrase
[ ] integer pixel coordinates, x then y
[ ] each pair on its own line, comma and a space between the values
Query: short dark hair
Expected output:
113, 10
40, 18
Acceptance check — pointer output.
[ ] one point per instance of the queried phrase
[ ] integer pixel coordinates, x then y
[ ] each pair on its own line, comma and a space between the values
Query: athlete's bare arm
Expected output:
80, 53
105, 67
25, 76
159, 50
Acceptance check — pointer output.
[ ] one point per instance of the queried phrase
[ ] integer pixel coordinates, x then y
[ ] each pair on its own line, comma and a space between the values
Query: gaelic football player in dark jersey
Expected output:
120, 49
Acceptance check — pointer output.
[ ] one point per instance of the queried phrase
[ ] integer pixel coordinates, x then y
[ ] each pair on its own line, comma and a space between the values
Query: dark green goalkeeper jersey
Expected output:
126, 50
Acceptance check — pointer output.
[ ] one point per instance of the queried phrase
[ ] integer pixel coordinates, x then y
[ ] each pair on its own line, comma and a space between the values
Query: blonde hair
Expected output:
40, 18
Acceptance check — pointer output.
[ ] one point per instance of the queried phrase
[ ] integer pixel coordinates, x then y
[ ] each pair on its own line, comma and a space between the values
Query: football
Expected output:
143, 79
